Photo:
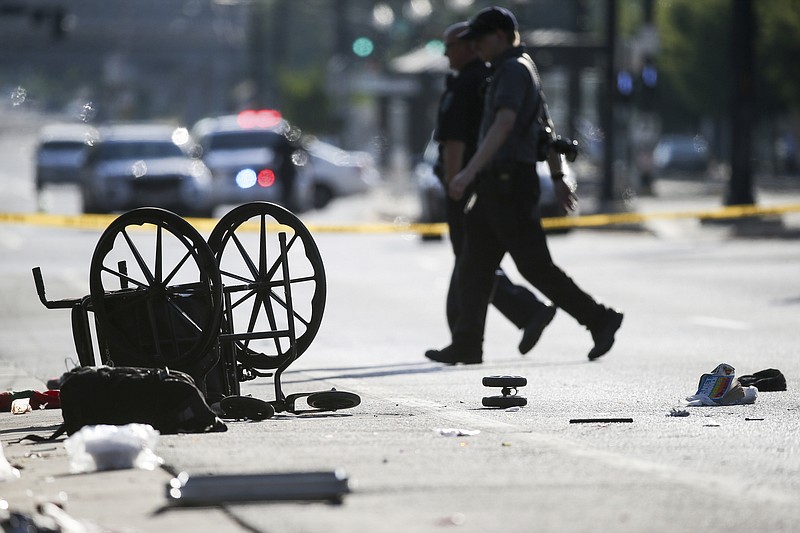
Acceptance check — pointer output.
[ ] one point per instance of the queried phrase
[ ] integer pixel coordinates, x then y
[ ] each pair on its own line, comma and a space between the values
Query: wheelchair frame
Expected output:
213, 310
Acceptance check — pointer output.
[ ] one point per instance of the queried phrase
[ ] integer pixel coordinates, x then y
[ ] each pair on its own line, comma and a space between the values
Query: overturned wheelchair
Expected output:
244, 304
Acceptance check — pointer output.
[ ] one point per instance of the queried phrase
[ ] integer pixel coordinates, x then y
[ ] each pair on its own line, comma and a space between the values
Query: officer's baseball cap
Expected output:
488, 20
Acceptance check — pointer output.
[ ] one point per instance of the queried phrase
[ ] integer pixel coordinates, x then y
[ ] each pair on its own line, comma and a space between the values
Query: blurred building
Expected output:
185, 59
129, 59
569, 56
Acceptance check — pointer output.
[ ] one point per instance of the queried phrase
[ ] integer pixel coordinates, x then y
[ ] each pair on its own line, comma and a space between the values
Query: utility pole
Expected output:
256, 42
607, 116
740, 190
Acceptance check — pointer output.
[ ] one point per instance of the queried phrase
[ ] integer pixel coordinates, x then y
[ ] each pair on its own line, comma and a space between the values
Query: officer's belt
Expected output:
494, 168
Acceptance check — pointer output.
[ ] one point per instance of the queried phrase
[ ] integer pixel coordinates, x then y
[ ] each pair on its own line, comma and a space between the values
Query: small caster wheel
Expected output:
333, 400
508, 389
246, 407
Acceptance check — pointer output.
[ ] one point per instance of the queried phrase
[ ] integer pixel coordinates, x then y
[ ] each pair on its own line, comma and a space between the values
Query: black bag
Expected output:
769, 380
166, 399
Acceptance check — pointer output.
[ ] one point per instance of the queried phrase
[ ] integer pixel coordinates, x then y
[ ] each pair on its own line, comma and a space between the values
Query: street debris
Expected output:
7, 472
166, 399
65, 522
25, 401
720, 387
455, 519
108, 447
207, 490
678, 412
48, 518
456, 432
599, 420
508, 397
21, 406
769, 380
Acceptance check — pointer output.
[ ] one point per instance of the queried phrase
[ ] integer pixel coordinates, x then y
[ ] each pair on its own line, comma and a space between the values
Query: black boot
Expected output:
533, 329
603, 333
450, 355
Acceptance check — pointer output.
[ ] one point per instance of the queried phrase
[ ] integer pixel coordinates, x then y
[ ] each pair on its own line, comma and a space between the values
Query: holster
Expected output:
505, 177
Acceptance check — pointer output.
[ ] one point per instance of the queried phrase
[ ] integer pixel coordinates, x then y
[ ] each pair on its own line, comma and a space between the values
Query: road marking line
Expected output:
722, 323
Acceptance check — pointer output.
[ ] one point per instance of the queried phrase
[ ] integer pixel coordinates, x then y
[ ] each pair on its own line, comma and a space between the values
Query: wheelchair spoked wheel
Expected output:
259, 297
156, 292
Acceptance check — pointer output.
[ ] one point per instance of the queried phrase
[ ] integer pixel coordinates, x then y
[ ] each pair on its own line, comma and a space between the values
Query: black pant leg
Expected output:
515, 302
526, 242
480, 258
455, 224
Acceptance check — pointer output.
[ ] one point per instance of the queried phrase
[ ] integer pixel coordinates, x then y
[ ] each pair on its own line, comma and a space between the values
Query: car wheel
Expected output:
90, 207
322, 195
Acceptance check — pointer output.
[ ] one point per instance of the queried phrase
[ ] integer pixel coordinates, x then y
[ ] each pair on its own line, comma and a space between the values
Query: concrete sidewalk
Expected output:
121, 500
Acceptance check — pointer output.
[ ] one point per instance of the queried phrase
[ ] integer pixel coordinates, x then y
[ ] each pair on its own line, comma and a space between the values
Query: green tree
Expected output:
695, 58
305, 101
779, 48
694, 61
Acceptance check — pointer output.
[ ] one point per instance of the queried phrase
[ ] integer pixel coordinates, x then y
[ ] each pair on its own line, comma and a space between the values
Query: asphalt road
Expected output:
689, 305
691, 300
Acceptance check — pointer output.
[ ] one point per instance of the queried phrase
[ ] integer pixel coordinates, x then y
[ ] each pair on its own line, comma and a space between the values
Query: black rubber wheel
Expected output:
333, 400
505, 381
246, 407
246, 245
155, 290
504, 401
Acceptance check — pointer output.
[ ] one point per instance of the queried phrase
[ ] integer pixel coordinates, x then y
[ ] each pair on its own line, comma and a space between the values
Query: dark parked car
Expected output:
60, 153
135, 165
249, 155
681, 153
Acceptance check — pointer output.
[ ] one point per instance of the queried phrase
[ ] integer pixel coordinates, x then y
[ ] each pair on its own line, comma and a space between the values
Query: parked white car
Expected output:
336, 172
250, 156
137, 165
60, 152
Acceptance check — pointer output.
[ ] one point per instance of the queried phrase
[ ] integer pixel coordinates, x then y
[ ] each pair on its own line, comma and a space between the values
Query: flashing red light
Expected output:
259, 118
266, 178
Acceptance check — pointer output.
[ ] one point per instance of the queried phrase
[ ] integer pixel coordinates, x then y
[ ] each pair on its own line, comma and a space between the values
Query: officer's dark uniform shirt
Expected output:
514, 86
460, 110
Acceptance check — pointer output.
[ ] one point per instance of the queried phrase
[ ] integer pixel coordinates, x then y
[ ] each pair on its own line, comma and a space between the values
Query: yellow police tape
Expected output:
100, 222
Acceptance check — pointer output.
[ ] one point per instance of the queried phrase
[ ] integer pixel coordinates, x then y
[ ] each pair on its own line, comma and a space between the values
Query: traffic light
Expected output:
435, 47
56, 17
363, 47
59, 28
624, 85
649, 80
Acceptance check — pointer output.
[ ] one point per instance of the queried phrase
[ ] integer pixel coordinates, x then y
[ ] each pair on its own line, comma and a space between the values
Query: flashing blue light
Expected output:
624, 83
649, 75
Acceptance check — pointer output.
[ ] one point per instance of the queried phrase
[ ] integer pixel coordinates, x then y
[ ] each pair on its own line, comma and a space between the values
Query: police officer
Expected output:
457, 128
502, 214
